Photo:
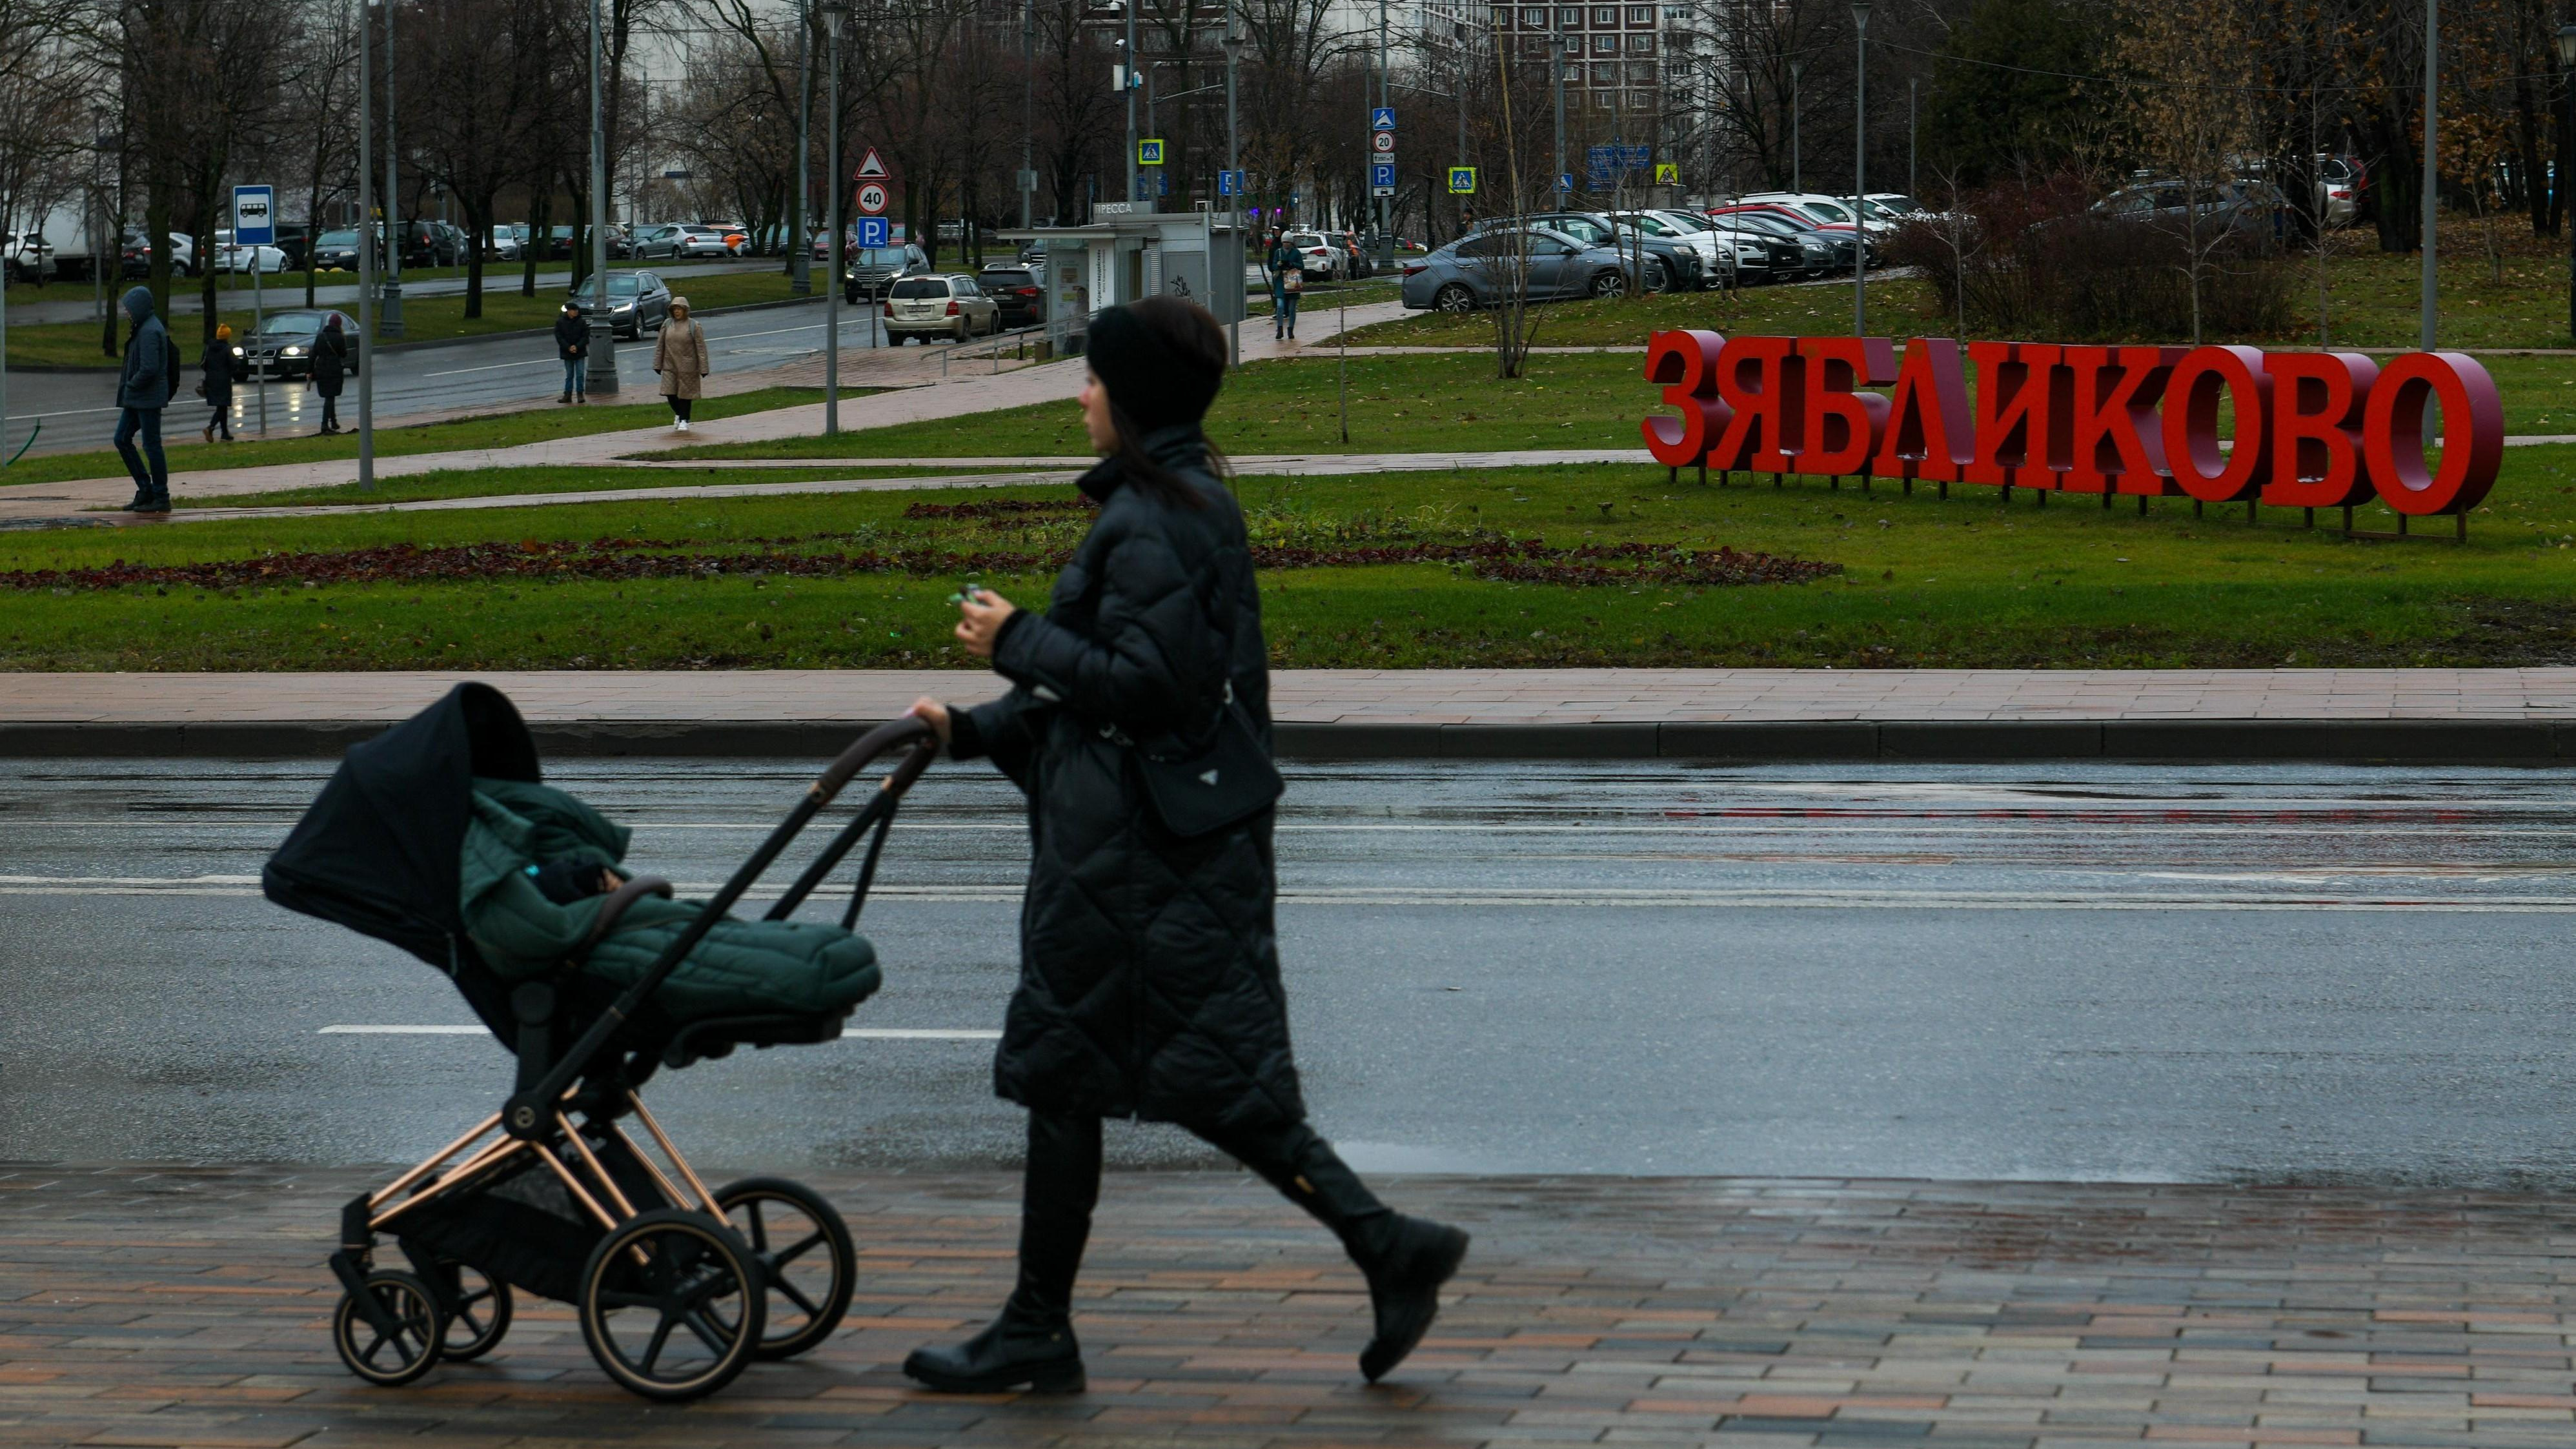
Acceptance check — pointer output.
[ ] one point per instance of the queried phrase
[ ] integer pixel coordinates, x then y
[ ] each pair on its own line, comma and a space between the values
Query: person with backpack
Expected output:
1287, 281
330, 370
143, 388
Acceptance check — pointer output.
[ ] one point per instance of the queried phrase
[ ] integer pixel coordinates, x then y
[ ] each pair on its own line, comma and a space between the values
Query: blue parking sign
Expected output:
875, 231
1225, 183
1382, 173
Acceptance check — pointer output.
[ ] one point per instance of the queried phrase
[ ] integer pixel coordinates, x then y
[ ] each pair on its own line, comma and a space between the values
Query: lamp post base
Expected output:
389, 321
601, 373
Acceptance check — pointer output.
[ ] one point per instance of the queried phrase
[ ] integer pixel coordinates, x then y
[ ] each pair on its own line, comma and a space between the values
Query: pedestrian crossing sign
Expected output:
1149, 153
1667, 174
1462, 181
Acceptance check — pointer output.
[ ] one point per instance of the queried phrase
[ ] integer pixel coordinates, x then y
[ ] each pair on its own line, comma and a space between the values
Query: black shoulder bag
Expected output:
1203, 785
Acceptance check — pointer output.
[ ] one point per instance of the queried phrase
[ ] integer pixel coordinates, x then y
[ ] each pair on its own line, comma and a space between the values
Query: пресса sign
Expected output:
2309, 430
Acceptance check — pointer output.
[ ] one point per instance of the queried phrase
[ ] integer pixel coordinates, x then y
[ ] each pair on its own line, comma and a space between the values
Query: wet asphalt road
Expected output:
2240, 973
76, 408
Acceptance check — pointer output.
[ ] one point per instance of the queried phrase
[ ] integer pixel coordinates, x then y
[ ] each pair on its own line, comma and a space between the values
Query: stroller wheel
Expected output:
804, 1250
671, 1304
477, 1316
399, 1357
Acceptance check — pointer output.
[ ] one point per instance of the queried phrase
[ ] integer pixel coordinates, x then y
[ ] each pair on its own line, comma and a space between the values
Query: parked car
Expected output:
1829, 211
238, 258
1355, 261
135, 252
2253, 208
1477, 270
1761, 254
1668, 265
866, 272
1725, 259
1015, 290
504, 242
735, 236
676, 240
1321, 257
337, 251
283, 345
948, 305
637, 302
1825, 250
30, 256
2340, 183
294, 239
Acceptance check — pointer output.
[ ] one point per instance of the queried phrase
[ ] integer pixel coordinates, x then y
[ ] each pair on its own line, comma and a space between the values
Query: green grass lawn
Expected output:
2373, 300
862, 579
1409, 404
76, 344
291, 283
495, 430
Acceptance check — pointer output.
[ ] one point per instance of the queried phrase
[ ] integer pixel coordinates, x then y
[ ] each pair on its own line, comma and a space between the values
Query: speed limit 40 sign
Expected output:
872, 198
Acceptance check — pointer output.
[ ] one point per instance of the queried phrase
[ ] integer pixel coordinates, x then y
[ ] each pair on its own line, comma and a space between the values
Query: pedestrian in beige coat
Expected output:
680, 356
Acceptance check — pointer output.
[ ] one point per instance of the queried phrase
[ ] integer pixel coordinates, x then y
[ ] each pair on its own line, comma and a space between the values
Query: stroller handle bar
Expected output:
528, 1112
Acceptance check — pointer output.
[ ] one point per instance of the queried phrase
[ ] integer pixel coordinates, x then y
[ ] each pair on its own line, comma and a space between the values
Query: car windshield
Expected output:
1895, 206
286, 322
337, 239
1825, 210
877, 257
1006, 277
921, 287
1765, 221
623, 284
1305, 239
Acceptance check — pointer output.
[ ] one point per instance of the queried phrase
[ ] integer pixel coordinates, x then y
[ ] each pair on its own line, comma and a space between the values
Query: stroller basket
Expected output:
678, 1286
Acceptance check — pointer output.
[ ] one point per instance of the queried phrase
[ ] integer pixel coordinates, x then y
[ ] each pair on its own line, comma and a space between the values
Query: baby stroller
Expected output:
678, 1287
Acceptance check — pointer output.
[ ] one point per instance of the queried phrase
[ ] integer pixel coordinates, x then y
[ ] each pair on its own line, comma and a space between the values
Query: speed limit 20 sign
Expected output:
872, 198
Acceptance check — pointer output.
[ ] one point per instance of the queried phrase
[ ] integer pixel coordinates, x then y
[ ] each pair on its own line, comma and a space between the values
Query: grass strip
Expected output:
1390, 578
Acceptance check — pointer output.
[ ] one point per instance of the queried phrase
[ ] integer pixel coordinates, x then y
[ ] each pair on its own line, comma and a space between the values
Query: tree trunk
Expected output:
540, 236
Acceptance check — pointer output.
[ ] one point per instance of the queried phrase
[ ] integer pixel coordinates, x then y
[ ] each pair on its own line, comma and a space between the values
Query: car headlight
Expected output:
295, 352
625, 306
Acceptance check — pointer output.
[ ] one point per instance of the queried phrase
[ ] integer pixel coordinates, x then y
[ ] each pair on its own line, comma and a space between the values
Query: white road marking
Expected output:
2038, 897
496, 367
862, 1033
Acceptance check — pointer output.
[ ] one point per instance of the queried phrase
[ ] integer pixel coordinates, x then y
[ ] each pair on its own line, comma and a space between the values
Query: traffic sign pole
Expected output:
255, 226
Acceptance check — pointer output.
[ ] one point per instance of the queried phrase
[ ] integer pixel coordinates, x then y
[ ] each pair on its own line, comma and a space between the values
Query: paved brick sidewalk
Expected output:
2451, 715
189, 1307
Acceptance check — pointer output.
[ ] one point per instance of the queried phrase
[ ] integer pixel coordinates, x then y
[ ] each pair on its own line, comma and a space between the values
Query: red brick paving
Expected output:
187, 1306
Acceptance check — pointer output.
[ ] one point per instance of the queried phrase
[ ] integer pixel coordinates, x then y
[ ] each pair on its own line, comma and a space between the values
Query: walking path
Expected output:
1825, 714
188, 1306
916, 392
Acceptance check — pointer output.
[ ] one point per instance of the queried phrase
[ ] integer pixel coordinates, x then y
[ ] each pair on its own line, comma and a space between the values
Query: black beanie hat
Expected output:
1153, 385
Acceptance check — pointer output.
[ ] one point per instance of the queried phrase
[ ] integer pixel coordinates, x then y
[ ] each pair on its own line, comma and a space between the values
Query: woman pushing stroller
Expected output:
1138, 724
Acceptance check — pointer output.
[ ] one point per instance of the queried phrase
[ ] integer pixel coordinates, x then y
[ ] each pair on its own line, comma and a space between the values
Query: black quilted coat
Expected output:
1149, 965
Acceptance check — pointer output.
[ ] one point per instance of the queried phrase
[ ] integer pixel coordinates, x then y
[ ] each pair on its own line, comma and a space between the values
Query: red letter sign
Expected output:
2191, 422
2317, 402
2472, 433
1686, 364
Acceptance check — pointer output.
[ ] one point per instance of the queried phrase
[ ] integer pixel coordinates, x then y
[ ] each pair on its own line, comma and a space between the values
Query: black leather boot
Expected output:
1404, 1279
1405, 1259
1024, 1348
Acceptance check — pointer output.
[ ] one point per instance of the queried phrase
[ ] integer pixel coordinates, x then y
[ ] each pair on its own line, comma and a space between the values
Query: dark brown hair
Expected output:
1194, 340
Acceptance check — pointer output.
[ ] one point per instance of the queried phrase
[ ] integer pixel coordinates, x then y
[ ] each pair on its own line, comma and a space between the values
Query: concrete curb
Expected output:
2429, 741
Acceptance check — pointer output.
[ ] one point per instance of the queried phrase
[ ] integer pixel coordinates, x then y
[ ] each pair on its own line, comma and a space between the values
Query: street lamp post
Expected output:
835, 14
389, 317
366, 262
2432, 173
2567, 62
1028, 114
1556, 54
1860, 168
601, 373
1912, 92
1130, 81
1234, 162
800, 201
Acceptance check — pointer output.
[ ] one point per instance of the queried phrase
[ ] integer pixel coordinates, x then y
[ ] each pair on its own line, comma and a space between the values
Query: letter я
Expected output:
1763, 411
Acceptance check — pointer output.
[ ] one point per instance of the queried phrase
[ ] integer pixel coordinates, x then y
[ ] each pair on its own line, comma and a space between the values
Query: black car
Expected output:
337, 251
637, 302
1670, 266
1015, 291
283, 345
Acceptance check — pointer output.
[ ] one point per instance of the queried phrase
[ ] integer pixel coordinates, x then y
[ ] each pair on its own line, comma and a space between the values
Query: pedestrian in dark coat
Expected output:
330, 369
1149, 969
572, 345
217, 389
143, 389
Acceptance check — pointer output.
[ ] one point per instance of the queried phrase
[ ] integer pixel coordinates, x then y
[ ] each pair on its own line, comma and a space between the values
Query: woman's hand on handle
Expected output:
926, 708
981, 614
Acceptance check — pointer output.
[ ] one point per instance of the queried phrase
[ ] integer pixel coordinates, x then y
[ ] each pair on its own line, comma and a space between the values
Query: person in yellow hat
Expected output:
217, 389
